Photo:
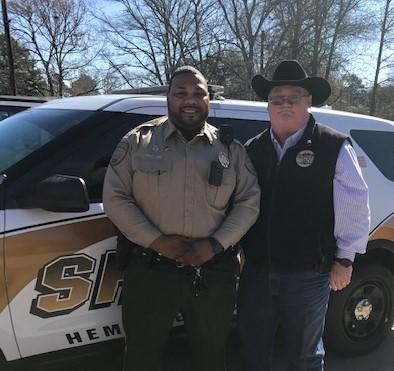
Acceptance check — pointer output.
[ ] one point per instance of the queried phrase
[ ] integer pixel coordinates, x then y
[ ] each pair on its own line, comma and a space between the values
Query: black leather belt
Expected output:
155, 260
225, 262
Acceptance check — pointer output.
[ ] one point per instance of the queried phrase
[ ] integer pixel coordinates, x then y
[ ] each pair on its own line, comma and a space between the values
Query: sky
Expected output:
363, 64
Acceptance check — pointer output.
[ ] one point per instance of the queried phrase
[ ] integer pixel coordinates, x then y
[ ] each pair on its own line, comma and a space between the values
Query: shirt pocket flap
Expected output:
152, 164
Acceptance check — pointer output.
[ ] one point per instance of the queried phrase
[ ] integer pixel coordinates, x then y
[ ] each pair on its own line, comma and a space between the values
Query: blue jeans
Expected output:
298, 300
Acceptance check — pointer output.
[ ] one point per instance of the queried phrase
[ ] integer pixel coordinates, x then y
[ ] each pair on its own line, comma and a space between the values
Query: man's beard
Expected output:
187, 125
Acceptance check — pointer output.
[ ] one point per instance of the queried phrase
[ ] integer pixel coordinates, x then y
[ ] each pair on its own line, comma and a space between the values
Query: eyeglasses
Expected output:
278, 100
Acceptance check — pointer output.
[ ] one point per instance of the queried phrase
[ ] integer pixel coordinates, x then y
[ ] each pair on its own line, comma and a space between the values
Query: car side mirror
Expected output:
58, 193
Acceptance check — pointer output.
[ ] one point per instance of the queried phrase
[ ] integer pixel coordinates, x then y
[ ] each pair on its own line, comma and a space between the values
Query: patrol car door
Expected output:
8, 346
51, 258
64, 288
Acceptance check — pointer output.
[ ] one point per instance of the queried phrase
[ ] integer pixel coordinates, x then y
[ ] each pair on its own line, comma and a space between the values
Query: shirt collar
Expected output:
291, 140
169, 129
206, 130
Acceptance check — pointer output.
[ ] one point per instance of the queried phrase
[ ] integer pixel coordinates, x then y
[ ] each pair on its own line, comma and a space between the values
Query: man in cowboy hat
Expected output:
314, 219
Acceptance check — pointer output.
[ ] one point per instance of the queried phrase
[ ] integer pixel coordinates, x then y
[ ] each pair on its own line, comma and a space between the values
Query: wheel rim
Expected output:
366, 310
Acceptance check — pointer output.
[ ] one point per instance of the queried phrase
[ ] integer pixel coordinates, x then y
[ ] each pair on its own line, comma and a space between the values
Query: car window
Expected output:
379, 146
24, 133
90, 157
7, 111
243, 129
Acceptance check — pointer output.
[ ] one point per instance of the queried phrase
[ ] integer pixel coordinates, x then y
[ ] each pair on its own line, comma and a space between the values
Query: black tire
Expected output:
372, 291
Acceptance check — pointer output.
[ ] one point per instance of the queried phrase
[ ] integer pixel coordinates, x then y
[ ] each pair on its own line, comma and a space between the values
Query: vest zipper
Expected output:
273, 197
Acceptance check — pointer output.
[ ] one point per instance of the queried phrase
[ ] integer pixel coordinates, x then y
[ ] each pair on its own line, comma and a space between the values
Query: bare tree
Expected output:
315, 31
386, 27
293, 27
55, 32
153, 37
348, 24
321, 14
246, 22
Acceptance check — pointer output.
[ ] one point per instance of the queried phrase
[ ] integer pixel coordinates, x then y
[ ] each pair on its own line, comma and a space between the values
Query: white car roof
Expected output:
127, 102
99, 102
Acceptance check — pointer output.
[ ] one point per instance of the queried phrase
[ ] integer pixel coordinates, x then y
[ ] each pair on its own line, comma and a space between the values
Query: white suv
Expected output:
60, 291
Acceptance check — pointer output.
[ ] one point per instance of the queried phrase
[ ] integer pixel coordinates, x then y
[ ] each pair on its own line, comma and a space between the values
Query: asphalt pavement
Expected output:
177, 357
381, 359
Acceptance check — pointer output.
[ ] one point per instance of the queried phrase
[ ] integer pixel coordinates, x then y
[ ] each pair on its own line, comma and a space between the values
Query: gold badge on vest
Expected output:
305, 158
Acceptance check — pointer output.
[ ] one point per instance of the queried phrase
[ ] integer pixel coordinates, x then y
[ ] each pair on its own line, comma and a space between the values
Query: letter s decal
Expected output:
64, 285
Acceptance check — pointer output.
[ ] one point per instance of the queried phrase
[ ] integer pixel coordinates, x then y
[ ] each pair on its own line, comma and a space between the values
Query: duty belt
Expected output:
159, 262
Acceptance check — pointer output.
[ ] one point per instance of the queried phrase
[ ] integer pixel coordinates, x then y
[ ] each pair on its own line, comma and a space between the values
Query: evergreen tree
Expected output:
83, 85
28, 78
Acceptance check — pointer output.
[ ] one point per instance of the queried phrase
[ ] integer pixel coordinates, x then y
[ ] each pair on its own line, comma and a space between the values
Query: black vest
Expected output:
295, 229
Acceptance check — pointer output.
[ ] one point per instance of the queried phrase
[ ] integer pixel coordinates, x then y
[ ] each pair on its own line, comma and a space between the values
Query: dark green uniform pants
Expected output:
153, 293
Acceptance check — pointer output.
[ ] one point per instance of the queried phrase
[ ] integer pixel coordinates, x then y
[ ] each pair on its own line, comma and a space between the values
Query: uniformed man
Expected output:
184, 197
315, 218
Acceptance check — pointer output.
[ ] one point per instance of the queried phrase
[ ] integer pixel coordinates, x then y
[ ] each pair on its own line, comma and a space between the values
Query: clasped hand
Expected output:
184, 250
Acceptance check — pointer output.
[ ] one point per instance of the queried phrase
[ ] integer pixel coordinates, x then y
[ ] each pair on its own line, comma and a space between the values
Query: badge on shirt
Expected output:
224, 160
305, 158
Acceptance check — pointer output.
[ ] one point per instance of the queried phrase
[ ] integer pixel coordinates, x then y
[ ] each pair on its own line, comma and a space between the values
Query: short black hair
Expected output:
185, 69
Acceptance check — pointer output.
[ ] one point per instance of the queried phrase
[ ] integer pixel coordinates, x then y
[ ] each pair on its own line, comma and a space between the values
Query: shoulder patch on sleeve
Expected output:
120, 152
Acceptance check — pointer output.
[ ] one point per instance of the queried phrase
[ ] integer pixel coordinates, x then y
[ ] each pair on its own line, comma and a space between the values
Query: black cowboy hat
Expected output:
292, 73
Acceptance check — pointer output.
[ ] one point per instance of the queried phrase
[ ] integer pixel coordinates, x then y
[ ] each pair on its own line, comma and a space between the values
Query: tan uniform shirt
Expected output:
158, 183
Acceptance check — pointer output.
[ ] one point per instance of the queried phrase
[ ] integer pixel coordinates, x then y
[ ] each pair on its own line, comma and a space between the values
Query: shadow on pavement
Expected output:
178, 357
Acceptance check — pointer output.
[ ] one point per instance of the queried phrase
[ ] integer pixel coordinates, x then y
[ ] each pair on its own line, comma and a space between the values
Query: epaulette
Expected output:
146, 126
